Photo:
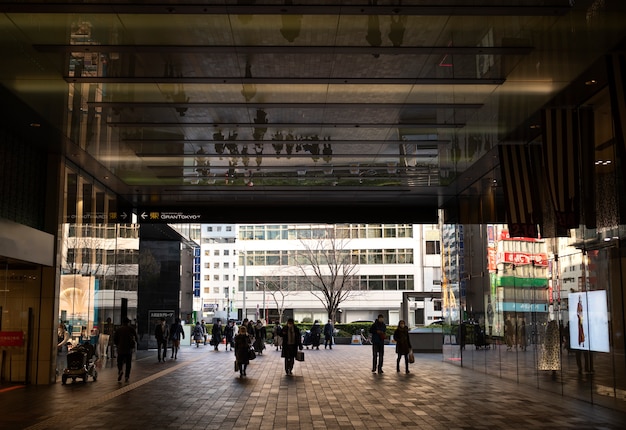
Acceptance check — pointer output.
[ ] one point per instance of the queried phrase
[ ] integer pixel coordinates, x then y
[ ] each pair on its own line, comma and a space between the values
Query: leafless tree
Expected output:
278, 288
328, 269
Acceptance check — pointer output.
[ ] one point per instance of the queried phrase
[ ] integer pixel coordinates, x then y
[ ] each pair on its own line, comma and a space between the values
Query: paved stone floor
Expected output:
331, 389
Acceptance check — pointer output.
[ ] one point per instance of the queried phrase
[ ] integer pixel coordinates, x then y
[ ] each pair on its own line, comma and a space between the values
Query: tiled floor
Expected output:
331, 389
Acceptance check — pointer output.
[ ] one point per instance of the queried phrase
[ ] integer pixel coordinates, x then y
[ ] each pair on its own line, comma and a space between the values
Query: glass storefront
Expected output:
548, 311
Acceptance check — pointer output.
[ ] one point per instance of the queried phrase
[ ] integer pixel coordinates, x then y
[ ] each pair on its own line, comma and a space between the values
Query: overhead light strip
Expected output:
537, 9
280, 80
256, 105
286, 125
419, 143
287, 49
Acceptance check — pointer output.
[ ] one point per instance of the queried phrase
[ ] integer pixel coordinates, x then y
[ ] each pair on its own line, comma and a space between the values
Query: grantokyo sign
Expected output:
168, 217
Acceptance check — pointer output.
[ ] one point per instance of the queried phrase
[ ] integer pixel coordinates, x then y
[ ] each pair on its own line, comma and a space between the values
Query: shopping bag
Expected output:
300, 355
411, 357
236, 366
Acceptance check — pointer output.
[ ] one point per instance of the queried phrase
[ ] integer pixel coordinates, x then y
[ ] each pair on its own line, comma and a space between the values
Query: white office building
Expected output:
384, 260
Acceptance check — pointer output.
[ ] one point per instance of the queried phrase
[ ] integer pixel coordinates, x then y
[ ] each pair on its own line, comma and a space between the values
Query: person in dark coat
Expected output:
316, 334
403, 344
162, 334
229, 334
216, 334
260, 334
125, 339
329, 330
242, 350
176, 334
377, 331
292, 341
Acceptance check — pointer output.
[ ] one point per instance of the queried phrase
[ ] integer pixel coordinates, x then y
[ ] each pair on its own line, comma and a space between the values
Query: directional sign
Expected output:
169, 216
123, 215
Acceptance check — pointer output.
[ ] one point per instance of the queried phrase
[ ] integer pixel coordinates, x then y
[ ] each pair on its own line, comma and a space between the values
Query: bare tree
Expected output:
328, 269
278, 289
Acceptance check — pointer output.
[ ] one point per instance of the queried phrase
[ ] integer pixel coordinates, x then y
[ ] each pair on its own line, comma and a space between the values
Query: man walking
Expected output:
378, 330
162, 334
125, 339
329, 330
292, 341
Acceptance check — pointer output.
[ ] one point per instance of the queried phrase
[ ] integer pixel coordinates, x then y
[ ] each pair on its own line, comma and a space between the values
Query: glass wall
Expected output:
99, 265
546, 312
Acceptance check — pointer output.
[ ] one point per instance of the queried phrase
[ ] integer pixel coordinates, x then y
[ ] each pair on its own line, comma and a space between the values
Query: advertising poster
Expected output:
588, 321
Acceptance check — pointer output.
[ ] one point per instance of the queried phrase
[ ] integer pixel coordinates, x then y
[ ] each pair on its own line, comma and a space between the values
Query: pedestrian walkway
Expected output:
331, 389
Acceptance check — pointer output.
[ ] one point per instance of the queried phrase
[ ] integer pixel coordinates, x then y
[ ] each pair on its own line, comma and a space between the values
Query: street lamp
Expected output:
264, 308
244, 313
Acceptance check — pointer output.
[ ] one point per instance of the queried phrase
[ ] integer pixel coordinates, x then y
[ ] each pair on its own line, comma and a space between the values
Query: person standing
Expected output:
205, 332
63, 337
292, 341
316, 334
250, 328
162, 334
521, 334
329, 330
260, 334
242, 350
176, 334
378, 331
216, 334
198, 334
278, 336
125, 339
403, 345
508, 333
108, 330
229, 334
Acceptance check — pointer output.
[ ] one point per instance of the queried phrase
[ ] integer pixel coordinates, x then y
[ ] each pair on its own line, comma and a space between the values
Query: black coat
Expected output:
403, 343
289, 350
242, 348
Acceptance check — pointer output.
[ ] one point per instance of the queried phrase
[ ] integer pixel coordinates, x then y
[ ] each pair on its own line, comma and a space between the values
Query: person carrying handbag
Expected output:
292, 342
242, 348
403, 345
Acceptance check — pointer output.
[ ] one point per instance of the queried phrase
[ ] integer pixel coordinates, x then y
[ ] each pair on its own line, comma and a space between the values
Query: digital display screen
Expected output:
588, 321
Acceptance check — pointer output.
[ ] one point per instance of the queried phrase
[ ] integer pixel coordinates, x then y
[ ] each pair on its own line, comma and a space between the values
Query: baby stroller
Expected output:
81, 363
308, 339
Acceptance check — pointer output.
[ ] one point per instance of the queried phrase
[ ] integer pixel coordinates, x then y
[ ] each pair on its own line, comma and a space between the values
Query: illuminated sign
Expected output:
11, 338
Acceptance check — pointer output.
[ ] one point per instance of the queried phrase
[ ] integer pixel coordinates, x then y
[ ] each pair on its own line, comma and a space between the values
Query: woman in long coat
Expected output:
403, 344
242, 350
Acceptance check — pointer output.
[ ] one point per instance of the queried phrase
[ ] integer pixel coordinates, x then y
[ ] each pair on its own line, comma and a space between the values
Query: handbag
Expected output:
411, 357
236, 366
251, 354
299, 355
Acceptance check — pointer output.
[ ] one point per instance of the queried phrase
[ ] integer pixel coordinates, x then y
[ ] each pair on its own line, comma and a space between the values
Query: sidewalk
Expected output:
331, 389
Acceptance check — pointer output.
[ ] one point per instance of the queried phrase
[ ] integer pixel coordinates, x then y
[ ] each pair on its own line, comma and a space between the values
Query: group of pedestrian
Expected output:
252, 336
378, 332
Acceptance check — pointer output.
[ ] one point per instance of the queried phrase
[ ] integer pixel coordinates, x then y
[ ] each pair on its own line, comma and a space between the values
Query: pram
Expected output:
308, 339
81, 363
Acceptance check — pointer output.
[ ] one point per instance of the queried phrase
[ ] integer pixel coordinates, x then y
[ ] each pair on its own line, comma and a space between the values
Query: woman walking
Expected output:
403, 345
176, 334
242, 350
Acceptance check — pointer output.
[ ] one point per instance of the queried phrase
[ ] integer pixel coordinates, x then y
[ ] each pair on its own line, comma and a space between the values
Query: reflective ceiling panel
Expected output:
270, 102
